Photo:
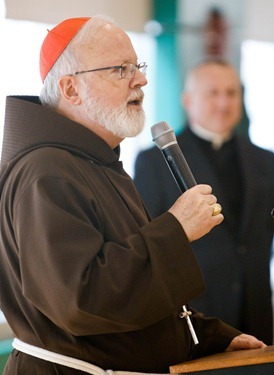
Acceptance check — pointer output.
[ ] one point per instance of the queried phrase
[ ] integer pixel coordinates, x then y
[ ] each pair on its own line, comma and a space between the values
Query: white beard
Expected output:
121, 121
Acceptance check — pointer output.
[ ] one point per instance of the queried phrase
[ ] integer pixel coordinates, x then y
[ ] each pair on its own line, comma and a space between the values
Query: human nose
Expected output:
223, 101
139, 79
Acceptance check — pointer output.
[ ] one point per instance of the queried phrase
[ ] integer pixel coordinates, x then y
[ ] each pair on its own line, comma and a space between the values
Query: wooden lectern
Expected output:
242, 362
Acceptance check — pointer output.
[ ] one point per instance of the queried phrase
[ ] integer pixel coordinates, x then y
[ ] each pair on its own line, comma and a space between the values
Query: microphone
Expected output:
165, 139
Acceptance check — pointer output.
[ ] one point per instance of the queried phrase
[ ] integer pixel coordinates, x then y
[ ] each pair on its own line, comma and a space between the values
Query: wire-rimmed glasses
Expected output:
126, 70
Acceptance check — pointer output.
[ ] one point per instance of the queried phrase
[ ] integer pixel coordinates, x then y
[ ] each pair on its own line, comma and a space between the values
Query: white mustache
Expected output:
136, 95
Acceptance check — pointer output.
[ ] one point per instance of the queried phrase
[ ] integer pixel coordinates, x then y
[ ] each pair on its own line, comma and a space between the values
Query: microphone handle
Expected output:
185, 180
179, 167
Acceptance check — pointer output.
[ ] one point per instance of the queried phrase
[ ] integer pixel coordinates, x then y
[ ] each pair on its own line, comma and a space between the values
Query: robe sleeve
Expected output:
214, 335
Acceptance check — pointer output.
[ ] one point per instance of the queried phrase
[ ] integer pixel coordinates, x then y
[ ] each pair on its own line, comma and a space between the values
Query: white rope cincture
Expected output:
186, 314
57, 358
71, 362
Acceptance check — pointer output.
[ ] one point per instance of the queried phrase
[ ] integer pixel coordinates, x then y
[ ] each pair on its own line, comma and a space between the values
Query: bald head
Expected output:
212, 97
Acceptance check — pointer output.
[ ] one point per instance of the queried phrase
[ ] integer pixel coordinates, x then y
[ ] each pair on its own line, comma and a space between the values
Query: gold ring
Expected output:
217, 209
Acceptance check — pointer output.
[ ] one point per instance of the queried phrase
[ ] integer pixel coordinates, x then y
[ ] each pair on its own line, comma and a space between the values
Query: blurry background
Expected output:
170, 36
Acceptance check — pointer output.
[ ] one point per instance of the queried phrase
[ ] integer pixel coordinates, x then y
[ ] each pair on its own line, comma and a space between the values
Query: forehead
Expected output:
219, 76
110, 45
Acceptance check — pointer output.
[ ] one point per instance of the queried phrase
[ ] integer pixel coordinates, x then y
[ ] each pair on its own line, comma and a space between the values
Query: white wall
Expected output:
258, 20
131, 15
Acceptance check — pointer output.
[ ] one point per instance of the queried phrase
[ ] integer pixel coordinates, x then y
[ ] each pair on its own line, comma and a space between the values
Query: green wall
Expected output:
168, 73
5, 349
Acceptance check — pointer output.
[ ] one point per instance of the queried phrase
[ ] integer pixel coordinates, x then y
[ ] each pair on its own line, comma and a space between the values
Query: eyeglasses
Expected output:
126, 70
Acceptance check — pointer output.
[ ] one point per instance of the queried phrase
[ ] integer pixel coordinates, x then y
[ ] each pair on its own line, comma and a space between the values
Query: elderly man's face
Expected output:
110, 101
214, 100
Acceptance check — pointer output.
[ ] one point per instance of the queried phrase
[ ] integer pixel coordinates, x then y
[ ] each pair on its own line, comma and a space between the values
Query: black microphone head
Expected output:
163, 135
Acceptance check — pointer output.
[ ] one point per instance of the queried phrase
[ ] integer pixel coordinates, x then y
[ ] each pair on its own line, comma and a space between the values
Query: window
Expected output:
21, 42
257, 74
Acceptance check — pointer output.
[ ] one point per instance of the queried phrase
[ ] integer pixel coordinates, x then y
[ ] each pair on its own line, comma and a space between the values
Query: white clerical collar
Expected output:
216, 140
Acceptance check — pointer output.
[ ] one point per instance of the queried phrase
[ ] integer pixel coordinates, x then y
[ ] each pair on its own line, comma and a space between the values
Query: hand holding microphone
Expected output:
193, 209
197, 209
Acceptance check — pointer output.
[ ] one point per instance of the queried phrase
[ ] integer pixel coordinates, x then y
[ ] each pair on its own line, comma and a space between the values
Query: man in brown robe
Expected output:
88, 281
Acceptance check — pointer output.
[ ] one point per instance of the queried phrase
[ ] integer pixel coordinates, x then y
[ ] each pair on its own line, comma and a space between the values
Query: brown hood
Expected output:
21, 134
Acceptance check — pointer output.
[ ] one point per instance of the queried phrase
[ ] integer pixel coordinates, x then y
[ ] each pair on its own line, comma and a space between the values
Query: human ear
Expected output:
68, 89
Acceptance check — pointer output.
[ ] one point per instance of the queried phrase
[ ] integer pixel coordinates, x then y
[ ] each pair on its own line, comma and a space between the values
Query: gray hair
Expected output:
68, 62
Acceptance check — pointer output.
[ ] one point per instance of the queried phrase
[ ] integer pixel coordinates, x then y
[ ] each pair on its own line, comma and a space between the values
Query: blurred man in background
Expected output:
235, 256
